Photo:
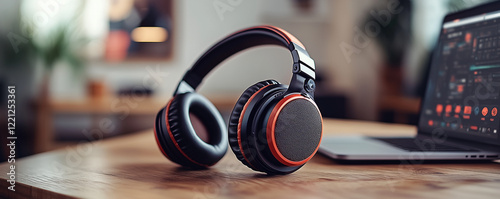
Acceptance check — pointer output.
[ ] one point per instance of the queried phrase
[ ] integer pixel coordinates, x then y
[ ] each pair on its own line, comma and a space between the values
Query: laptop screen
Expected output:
463, 90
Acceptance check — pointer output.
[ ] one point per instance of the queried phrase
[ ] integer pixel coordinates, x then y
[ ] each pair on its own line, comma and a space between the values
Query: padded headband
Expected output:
260, 35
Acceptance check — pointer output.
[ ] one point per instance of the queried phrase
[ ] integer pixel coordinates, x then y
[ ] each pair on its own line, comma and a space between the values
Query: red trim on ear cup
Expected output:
173, 139
241, 120
271, 124
159, 145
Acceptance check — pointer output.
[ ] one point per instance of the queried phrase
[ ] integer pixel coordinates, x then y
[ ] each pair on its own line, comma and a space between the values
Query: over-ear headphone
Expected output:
273, 128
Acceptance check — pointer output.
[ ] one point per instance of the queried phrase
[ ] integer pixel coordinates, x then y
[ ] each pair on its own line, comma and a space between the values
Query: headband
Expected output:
303, 65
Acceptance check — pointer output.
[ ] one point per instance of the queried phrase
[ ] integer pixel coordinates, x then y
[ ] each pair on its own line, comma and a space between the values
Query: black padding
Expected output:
200, 153
235, 117
167, 144
298, 129
161, 132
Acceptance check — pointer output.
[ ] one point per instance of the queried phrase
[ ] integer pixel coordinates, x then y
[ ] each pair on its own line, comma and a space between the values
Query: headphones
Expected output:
273, 128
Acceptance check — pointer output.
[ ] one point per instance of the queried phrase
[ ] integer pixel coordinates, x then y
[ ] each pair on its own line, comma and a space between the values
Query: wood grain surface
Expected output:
132, 167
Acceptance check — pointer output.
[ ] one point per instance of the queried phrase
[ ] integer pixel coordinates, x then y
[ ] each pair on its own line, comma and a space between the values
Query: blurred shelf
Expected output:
403, 108
46, 109
400, 104
136, 105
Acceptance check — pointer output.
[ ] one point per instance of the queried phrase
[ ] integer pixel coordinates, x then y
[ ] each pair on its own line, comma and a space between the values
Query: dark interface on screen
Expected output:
463, 95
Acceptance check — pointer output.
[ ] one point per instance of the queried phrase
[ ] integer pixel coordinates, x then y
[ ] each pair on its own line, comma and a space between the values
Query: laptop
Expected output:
459, 118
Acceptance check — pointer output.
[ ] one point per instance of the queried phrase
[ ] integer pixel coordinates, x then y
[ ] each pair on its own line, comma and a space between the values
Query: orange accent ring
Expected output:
271, 124
173, 139
240, 121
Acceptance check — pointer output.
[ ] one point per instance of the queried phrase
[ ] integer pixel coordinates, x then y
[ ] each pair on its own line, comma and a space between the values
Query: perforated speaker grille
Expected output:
298, 130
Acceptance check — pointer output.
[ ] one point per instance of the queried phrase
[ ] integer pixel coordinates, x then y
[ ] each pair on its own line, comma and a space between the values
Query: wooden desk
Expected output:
132, 167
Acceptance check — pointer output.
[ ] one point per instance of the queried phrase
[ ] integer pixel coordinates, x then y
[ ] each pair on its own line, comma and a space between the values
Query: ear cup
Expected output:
282, 132
179, 124
294, 129
164, 142
234, 119
160, 141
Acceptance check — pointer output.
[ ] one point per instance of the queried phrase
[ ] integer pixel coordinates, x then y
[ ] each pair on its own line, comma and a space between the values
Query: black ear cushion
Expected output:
167, 147
235, 117
183, 144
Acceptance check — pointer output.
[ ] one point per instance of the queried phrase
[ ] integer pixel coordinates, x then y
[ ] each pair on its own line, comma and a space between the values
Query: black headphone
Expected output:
273, 128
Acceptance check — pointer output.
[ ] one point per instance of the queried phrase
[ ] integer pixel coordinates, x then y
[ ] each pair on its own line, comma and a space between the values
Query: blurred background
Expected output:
87, 70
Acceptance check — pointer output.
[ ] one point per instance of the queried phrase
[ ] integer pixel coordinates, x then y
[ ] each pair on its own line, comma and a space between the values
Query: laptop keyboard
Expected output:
412, 144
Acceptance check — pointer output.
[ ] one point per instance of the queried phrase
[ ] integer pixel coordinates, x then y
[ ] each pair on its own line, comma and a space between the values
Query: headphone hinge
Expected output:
183, 87
303, 63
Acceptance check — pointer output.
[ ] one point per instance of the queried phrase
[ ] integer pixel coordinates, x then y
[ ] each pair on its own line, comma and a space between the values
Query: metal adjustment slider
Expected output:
302, 63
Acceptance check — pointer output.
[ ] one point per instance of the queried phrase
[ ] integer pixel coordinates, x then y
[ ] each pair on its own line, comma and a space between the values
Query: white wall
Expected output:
197, 25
